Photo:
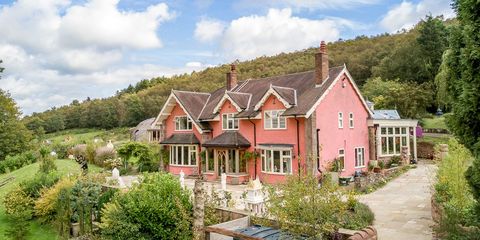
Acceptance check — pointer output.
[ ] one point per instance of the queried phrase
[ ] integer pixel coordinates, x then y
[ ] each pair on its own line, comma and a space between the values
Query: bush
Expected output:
62, 149
84, 198
18, 207
17, 161
361, 216
34, 186
105, 198
157, 208
102, 154
45, 204
453, 194
146, 159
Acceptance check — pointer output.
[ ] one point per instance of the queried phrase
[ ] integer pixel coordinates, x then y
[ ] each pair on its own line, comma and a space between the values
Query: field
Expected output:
37, 231
85, 135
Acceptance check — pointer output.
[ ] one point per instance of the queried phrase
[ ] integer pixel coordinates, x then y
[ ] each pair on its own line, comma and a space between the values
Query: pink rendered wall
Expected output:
332, 138
170, 129
280, 136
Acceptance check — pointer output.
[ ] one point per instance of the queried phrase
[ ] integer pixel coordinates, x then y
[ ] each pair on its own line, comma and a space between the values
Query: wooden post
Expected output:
198, 210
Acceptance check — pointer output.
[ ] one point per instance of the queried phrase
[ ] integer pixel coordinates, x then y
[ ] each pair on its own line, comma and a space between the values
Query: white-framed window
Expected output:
185, 155
229, 122
155, 136
277, 161
208, 164
392, 140
341, 158
182, 123
340, 120
273, 120
359, 157
350, 120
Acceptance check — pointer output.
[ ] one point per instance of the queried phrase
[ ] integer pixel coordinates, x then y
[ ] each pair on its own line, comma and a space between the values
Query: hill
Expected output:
389, 56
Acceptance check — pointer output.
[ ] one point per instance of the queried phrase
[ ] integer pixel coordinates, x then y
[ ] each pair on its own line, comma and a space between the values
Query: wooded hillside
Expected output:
410, 58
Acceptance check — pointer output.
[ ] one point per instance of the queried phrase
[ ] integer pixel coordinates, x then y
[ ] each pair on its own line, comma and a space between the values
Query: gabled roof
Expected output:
231, 139
191, 103
286, 86
385, 114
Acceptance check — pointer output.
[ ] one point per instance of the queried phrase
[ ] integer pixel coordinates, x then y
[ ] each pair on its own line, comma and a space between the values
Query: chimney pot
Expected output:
321, 64
232, 77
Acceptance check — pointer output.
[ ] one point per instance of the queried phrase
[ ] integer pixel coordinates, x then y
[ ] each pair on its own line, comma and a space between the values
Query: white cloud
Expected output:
101, 23
307, 4
55, 51
193, 64
278, 31
407, 14
207, 30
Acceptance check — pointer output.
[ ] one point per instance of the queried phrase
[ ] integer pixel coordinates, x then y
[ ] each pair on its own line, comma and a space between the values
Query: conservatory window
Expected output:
393, 139
185, 155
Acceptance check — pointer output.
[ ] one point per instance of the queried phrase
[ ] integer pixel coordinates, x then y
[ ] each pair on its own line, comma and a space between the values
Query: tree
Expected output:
464, 71
157, 208
1, 68
432, 40
14, 136
410, 99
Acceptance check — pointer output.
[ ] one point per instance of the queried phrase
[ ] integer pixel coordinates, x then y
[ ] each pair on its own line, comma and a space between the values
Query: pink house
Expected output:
269, 128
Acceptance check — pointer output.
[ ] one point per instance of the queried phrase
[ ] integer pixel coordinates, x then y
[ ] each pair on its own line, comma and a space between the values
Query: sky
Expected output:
56, 51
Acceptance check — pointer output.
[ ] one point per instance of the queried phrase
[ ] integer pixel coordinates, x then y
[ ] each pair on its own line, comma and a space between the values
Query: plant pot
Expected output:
75, 229
343, 181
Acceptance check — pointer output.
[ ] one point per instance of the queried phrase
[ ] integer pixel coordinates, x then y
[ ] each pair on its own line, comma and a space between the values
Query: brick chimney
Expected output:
232, 77
321, 64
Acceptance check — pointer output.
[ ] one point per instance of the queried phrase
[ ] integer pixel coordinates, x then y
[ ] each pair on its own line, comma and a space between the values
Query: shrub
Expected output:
361, 216
18, 207
79, 150
90, 152
102, 154
34, 186
157, 208
105, 198
304, 208
62, 149
45, 205
84, 198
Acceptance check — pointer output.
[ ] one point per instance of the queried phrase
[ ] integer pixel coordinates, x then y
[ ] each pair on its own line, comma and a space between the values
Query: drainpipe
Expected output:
254, 145
318, 151
298, 143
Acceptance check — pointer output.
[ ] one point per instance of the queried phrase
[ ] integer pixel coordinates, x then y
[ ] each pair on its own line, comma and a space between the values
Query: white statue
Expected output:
115, 173
182, 178
224, 181
110, 144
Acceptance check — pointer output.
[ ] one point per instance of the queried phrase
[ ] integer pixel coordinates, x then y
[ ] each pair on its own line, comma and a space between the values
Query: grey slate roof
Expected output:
181, 138
385, 114
193, 103
232, 139
302, 83
241, 99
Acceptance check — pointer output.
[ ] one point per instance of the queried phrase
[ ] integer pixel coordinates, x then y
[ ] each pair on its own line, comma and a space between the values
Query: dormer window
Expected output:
273, 120
183, 123
229, 122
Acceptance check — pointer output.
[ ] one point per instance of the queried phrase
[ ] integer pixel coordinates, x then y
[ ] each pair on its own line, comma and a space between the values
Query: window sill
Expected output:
237, 174
360, 167
209, 173
178, 165
276, 173
185, 130
274, 129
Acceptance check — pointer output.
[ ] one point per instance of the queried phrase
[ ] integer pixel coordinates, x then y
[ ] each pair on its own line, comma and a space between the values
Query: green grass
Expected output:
36, 231
435, 122
85, 135
437, 139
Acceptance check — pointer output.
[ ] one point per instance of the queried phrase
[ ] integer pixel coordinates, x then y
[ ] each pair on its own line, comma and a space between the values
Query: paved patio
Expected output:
402, 208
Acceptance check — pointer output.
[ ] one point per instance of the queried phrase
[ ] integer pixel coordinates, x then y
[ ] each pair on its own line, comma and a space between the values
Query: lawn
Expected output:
435, 122
36, 231
436, 139
85, 135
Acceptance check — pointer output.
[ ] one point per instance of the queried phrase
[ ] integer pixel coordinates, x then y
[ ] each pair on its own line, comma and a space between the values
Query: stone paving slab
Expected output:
402, 208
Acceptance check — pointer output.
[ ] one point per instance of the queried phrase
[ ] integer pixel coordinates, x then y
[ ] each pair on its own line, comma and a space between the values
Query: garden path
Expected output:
402, 207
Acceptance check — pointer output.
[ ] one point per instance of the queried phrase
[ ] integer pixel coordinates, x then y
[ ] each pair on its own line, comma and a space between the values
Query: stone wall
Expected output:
363, 182
425, 150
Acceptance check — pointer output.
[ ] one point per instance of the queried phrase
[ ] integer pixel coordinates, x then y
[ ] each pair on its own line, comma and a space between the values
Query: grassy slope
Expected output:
37, 231
85, 135
435, 122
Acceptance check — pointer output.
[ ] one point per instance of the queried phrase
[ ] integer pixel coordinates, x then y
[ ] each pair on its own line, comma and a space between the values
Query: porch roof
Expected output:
228, 139
181, 138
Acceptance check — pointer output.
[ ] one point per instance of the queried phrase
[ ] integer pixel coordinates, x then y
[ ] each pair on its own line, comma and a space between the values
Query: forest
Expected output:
394, 70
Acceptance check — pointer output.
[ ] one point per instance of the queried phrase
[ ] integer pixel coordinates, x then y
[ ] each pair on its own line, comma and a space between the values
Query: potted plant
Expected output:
344, 181
335, 168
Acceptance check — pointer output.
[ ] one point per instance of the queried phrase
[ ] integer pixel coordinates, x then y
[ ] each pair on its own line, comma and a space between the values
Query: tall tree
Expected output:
14, 136
464, 65
432, 40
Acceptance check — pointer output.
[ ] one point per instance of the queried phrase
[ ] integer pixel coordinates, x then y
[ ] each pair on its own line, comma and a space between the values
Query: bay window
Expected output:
277, 161
273, 120
229, 122
182, 123
393, 139
185, 155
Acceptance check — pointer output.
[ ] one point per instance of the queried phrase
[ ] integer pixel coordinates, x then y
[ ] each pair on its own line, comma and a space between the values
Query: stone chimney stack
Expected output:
232, 77
321, 64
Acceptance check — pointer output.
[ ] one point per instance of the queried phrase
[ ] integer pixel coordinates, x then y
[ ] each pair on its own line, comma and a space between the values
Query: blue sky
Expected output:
55, 51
